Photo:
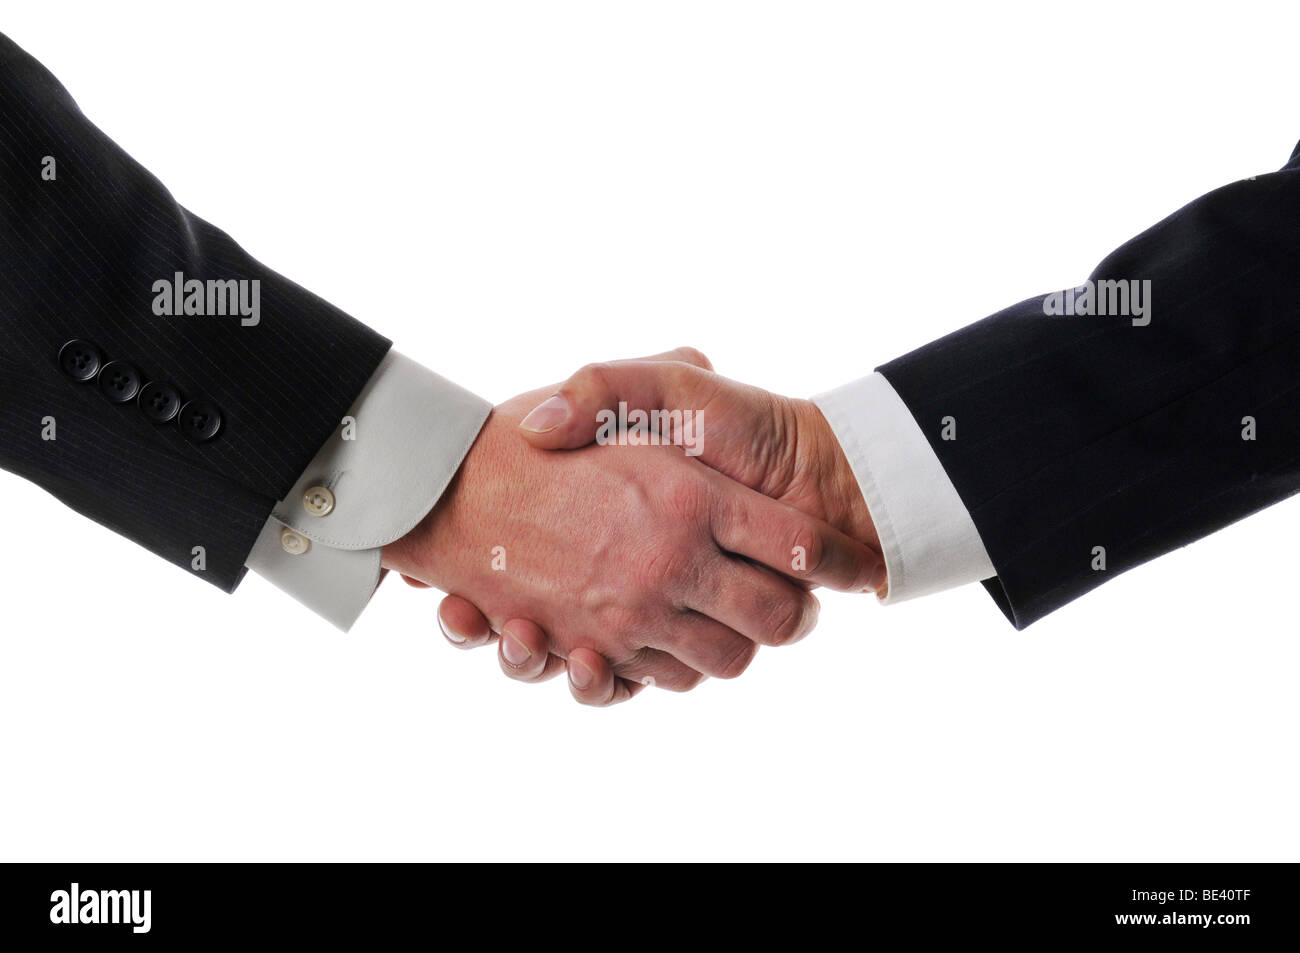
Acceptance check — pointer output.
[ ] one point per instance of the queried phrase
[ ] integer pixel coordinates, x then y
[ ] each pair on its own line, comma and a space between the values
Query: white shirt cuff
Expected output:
384, 469
926, 534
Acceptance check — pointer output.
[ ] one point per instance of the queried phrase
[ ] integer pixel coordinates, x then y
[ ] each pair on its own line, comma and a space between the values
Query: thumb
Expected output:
568, 418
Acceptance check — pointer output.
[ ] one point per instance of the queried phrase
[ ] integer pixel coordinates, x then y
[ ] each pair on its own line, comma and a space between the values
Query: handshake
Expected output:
577, 539
694, 529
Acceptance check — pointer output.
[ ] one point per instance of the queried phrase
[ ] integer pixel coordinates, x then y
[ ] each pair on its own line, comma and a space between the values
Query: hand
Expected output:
779, 446
640, 554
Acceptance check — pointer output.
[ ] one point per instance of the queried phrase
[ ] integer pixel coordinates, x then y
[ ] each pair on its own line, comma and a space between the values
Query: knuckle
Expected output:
618, 622
663, 563
793, 619
670, 569
738, 659
687, 573
679, 373
591, 377
685, 682
695, 356
636, 499
651, 668
684, 493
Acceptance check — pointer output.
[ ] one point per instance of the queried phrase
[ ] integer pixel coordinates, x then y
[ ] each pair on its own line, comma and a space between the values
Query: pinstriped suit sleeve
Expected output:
1086, 441
80, 252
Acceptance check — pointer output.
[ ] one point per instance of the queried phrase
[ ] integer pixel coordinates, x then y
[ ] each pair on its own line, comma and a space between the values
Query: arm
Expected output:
1088, 444
1049, 447
159, 380
211, 436
234, 405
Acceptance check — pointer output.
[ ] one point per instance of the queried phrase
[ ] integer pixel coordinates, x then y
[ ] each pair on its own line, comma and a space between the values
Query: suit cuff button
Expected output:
119, 381
80, 360
199, 420
159, 402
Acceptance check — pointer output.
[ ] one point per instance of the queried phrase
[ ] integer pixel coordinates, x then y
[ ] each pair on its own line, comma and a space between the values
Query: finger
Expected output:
758, 604
689, 355
707, 646
568, 418
462, 624
523, 652
655, 668
782, 538
592, 681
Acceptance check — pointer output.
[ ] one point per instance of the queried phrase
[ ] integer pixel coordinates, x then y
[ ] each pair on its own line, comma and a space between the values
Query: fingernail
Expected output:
580, 675
547, 415
450, 636
515, 652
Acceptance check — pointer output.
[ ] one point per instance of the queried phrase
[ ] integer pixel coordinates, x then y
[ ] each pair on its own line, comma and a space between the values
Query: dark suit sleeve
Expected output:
1079, 435
79, 256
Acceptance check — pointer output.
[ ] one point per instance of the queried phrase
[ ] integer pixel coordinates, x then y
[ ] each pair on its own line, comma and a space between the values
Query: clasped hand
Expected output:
638, 565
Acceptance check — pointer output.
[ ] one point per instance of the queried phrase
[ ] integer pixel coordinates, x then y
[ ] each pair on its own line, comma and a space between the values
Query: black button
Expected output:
159, 402
199, 420
119, 381
80, 360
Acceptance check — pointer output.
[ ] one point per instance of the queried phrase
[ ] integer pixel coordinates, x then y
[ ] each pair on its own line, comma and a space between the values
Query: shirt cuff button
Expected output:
295, 544
318, 501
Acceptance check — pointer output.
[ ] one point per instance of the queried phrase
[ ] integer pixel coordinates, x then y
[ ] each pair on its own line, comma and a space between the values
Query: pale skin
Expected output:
634, 563
780, 447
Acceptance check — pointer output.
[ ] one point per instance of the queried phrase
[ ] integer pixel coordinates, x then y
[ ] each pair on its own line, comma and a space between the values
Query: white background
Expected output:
803, 190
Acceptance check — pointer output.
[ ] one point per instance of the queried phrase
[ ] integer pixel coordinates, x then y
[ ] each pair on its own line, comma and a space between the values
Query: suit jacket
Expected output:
1084, 436
1075, 435
176, 431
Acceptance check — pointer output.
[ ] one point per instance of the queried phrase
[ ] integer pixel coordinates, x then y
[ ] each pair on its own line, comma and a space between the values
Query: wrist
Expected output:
410, 555
430, 544
846, 508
